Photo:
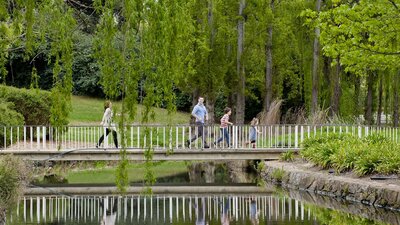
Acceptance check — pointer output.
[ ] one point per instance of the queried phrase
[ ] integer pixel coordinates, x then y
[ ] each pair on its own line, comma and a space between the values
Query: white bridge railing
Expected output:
173, 137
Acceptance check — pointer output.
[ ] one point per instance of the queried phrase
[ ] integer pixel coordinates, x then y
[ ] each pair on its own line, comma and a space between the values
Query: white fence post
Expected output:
44, 137
296, 133
38, 137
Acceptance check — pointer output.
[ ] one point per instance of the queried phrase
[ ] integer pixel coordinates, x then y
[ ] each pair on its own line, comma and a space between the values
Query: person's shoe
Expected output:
97, 145
206, 146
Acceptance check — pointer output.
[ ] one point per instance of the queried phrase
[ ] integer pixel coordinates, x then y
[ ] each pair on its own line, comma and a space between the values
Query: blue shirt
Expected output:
200, 111
253, 133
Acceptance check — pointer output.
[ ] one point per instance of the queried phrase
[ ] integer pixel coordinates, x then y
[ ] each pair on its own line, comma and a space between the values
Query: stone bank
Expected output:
302, 176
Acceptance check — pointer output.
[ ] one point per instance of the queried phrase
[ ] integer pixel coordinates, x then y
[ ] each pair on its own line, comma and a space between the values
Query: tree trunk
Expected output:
237, 171
369, 99
268, 64
380, 93
210, 105
396, 100
357, 87
240, 101
335, 98
2, 216
211, 23
326, 71
315, 67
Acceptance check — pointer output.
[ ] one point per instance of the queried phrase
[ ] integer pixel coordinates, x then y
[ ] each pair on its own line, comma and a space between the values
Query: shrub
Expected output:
348, 151
278, 175
34, 105
320, 149
14, 175
9, 117
287, 156
372, 154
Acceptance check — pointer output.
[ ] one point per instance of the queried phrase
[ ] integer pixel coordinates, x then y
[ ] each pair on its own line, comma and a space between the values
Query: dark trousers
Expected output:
108, 130
201, 132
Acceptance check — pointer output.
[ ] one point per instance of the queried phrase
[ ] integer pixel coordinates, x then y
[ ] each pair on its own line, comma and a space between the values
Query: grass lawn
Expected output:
135, 171
89, 111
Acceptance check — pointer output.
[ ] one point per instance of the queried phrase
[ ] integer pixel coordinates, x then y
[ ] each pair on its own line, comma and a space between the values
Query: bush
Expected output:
9, 117
34, 105
287, 156
320, 149
372, 154
14, 175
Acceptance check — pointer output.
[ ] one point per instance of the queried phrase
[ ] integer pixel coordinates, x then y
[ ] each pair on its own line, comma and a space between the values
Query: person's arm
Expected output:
105, 116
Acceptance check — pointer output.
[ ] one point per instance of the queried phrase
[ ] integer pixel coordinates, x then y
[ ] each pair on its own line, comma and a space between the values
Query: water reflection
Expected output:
160, 209
173, 209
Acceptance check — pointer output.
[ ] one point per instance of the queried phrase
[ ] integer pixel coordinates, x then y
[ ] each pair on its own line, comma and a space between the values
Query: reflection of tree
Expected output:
332, 217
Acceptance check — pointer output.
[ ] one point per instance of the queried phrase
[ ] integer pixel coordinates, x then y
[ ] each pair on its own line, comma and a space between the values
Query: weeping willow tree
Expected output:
135, 41
141, 41
30, 25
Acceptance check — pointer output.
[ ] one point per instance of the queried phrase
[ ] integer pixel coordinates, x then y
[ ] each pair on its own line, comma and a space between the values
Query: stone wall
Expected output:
370, 192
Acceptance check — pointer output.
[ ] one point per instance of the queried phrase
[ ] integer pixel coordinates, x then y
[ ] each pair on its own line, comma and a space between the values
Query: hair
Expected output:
254, 122
227, 109
107, 104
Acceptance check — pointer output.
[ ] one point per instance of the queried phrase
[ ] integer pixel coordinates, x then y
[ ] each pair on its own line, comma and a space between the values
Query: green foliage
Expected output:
287, 156
278, 175
372, 154
34, 105
14, 175
10, 118
327, 216
320, 149
361, 33
86, 72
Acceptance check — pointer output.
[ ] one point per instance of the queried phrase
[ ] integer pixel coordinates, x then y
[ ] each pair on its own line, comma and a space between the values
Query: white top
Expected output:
107, 118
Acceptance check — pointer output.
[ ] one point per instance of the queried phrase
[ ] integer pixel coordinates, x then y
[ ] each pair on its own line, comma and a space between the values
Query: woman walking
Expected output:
106, 122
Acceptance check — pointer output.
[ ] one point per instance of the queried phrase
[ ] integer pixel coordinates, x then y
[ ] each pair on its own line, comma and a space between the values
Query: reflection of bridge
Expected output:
157, 189
159, 209
167, 142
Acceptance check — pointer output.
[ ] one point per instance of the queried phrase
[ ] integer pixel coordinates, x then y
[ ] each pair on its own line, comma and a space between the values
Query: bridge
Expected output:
167, 142
159, 208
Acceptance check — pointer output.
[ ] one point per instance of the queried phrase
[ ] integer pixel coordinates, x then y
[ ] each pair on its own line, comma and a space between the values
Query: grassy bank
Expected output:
100, 174
363, 156
89, 111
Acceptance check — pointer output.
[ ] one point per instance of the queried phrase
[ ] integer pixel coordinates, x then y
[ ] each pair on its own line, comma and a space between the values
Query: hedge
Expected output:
34, 105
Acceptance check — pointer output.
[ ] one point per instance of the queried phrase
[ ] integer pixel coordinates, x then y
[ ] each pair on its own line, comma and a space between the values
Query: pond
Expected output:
182, 200
225, 208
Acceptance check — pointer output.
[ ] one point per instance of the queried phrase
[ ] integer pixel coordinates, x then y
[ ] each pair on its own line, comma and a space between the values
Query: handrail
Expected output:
175, 136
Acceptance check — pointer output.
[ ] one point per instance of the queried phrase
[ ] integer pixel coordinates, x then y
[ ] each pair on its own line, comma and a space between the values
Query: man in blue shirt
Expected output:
201, 115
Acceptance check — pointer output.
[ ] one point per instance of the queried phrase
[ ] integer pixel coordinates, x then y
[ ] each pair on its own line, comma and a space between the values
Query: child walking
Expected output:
224, 127
253, 132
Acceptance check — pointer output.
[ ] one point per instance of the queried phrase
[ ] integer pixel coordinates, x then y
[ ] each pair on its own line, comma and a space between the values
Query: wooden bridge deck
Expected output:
158, 154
